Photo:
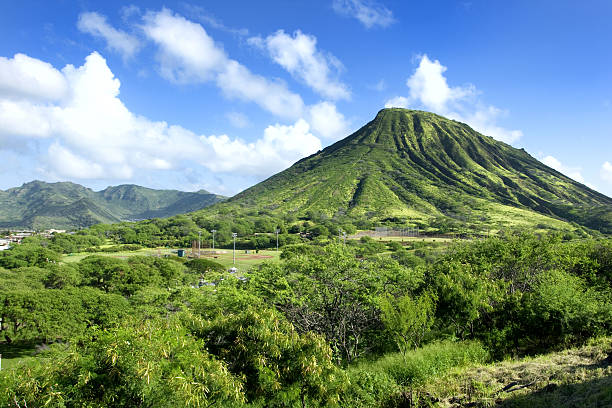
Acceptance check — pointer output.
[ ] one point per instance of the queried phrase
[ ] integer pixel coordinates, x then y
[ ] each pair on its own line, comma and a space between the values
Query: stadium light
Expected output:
277, 231
234, 235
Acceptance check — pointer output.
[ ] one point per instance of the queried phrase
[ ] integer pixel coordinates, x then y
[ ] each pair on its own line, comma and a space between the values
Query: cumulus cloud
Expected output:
187, 54
397, 102
606, 171
299, 55
571, 172
429, 86
278, 149
429, 89
369, 13
30, 78
86, 132
327, 121
116, 40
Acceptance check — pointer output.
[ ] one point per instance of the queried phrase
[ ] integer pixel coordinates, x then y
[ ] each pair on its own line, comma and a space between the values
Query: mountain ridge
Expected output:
68, 205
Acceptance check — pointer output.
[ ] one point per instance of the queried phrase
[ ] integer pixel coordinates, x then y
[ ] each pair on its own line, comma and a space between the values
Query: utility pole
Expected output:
277, 231
344, 236
213, 231
339, 234
234, 235
199, 243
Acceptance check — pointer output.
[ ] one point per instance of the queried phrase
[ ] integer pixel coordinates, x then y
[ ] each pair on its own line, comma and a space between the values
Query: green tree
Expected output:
333, 293
408, 319
27, 255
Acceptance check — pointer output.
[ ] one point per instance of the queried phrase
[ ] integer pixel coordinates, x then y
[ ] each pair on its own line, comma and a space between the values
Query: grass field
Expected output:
579, 377
14, 353
244, 261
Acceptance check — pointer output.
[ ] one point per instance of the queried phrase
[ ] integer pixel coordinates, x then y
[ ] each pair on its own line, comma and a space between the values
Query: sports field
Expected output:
244, 260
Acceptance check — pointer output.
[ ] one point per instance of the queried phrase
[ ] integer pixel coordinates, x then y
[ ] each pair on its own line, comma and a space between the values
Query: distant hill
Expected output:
66, 205
419, 167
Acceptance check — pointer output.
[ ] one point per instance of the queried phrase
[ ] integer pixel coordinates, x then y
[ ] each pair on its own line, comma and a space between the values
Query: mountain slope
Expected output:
419, 167
42, 205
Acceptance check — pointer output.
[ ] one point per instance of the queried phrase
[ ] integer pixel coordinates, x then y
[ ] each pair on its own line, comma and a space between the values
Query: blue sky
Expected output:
221, 95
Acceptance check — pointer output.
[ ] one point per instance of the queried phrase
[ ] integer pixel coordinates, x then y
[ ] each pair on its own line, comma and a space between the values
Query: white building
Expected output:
4, 244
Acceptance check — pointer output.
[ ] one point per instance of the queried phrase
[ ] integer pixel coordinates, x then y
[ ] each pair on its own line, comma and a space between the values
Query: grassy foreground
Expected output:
579, 377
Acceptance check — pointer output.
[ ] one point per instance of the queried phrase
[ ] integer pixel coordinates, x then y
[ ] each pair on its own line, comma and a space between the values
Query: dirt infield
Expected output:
240, 256
254, 256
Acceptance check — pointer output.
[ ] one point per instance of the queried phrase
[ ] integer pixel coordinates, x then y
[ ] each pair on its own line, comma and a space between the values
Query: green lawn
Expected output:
13, 354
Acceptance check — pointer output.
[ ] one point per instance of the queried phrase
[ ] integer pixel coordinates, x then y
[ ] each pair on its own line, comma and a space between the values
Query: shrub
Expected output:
370, 389
201, 266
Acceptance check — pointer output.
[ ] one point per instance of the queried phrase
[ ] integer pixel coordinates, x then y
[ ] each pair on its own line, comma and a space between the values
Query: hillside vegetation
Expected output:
421, 169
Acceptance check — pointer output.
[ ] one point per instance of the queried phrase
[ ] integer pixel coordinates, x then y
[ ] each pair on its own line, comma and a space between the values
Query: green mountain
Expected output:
66, 205
419, 168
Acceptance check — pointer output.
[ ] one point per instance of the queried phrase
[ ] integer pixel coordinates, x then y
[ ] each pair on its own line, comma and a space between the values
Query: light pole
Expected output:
213, 231
234, 235
277, 231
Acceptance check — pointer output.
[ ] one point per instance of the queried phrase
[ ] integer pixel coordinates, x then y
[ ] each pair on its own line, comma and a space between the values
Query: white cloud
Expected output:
327, 121
429, 89
187, 54
571, 172
30, 78
484, 119
22, 118
369, 13
280, 147
90, 133
429, 86
299, 55
606, 171
236, 81
397, 102
237, 119
64, 162
116, 40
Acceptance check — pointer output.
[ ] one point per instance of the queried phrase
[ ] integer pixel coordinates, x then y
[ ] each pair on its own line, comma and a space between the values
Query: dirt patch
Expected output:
254, 256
